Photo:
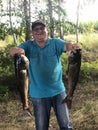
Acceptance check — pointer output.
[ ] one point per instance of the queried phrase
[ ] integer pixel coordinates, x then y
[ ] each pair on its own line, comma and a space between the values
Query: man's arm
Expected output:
16, 50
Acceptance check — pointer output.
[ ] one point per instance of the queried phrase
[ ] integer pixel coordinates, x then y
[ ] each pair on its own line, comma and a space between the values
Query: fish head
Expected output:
75, 57
21, 61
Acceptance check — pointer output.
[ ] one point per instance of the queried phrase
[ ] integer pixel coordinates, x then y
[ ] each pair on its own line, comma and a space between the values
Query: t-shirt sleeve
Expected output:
59, 44
24, 46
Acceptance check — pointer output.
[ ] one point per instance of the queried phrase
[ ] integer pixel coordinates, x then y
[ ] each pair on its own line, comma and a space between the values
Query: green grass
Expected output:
90, 41
85, 114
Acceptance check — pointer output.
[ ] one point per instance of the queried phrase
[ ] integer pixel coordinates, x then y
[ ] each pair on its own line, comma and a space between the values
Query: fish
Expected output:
21, 64
72, 74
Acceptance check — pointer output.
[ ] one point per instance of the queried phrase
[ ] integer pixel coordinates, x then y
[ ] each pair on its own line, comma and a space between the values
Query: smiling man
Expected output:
45, 73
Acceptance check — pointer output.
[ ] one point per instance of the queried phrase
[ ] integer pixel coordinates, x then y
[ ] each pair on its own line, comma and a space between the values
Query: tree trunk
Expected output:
59, 17
77, 21
51, 19
27, 19
11, 25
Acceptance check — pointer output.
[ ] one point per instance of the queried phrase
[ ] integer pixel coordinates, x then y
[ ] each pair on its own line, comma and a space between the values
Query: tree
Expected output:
27, 14
10, 20
53, 15
96, 26
51, 18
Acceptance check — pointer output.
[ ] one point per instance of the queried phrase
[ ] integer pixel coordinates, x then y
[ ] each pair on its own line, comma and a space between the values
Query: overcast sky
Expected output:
87, 13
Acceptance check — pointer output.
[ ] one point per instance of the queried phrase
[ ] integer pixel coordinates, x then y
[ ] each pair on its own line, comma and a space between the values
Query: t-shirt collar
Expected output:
47, 42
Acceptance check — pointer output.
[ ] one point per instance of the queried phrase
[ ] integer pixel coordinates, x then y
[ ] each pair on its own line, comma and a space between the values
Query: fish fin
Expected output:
28, 112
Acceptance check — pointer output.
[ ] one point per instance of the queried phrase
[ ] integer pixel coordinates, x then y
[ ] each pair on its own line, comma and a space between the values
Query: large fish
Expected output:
21, 64
74, 64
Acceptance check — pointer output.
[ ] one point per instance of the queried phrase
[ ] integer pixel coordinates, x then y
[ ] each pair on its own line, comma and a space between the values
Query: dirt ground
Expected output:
84, 112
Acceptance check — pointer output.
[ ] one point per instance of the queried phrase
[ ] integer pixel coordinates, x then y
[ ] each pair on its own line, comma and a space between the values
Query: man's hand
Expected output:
72, 46
15, 50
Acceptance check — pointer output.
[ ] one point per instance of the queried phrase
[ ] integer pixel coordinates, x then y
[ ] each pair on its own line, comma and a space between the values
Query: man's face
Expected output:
40, 33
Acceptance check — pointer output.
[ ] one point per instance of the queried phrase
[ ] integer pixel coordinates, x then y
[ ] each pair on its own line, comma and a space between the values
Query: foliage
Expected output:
64, 62
89, 71
6, 70
86, 27
69, 28
3, 30
96, 26
4, 93
89, 41
6, 64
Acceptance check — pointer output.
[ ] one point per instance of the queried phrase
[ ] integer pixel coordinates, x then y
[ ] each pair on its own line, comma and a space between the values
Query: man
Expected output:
45, 73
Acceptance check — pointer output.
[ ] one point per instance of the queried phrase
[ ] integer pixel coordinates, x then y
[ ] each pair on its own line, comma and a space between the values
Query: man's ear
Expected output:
46, 29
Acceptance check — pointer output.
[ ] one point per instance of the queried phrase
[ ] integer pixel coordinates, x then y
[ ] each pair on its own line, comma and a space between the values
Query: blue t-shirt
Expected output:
45, 70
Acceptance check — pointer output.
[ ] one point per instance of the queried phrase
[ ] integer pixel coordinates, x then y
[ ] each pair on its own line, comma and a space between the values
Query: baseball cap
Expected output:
37, 22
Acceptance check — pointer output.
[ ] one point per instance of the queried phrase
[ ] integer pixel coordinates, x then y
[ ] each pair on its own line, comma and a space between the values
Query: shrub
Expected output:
6, 64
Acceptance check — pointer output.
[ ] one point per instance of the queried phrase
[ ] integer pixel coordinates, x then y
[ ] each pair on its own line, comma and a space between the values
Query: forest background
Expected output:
15, 27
